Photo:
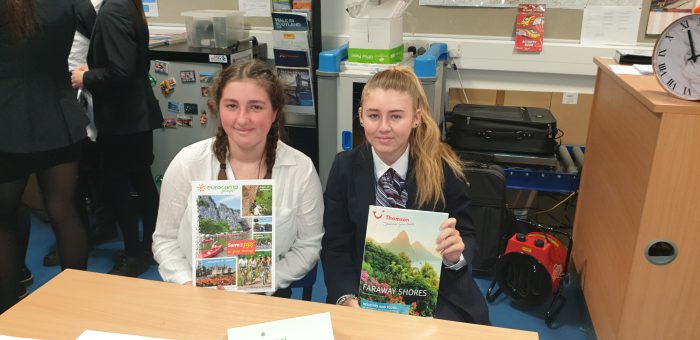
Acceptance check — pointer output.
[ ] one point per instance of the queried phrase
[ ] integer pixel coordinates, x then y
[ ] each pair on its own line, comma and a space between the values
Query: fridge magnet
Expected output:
187, 77
190, 108
203, 118
184, 120
160, 67
174, 107
166, 87
206, 77
205, 91
152, 80
170, 123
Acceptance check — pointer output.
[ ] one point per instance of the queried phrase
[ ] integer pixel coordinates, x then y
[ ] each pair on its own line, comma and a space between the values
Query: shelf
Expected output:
565, 178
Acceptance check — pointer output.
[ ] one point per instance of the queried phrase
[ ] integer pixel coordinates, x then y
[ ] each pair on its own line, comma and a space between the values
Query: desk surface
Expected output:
75, 300
648, 91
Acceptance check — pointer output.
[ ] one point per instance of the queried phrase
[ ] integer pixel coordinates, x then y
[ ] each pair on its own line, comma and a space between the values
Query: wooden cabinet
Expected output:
640, 183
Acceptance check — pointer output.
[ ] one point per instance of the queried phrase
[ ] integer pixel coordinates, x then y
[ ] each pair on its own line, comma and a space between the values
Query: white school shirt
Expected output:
298, 203
401, 168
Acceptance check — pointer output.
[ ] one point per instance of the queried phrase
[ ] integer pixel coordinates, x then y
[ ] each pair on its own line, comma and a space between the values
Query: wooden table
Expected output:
75, 300
640, 183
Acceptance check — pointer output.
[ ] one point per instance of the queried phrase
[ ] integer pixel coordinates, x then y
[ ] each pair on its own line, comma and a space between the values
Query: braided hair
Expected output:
266, 78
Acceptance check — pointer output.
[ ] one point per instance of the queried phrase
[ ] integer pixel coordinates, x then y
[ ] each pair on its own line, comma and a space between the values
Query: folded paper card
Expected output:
310, 327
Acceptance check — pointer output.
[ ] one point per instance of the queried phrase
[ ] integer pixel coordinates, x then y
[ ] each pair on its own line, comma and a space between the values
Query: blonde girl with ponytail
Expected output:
403, 143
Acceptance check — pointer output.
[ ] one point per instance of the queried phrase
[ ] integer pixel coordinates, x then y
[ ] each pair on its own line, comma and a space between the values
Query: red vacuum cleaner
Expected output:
532, 268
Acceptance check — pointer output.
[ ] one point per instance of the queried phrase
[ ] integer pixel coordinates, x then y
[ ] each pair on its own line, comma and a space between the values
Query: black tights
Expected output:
57, 185
128, 212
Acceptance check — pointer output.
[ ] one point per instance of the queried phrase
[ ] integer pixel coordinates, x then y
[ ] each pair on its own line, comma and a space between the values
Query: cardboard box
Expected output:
376, 40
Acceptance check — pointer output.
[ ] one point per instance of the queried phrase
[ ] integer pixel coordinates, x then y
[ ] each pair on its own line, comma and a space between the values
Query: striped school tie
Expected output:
391, 190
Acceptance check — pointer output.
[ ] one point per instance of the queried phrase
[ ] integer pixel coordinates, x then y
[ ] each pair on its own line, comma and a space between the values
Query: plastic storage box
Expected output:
213, 28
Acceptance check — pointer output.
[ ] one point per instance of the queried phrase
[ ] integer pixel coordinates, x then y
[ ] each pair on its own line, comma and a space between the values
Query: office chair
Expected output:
307, 283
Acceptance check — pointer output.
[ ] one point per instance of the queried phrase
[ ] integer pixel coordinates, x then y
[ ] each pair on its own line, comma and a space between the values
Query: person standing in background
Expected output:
96, 216
81, 40
126, 113
42, 130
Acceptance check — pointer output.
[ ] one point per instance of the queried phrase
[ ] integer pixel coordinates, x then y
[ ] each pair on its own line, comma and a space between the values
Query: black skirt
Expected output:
14, 166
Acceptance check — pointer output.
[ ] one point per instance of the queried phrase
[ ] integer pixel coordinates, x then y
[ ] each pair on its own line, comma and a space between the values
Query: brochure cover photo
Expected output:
232, 235
297, 87
400, 267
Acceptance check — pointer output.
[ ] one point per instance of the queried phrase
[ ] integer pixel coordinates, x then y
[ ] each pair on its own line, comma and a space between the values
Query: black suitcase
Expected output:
503, 129
491, 218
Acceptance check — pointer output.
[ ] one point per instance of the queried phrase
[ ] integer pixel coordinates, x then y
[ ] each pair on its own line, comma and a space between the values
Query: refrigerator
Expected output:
180, 77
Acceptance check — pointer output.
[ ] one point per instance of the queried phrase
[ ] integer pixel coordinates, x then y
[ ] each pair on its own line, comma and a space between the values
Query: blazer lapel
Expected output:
364, 180
411, 185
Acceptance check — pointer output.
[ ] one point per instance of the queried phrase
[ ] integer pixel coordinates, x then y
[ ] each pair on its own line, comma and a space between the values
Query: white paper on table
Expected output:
625, 69
644, 69
7, 337
610, 25
255, 8
97, 335
310, 327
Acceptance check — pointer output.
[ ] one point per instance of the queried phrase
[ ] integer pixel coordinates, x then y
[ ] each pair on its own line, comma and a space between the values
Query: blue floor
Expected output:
573, 322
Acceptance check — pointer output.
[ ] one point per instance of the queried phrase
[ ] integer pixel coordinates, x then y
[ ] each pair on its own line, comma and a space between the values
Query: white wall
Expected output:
491, 63
486, 62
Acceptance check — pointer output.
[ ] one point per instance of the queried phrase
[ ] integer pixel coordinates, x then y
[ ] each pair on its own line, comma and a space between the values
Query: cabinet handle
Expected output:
661, 252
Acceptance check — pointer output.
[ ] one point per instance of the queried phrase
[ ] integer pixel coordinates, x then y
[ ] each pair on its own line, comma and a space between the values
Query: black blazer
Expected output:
349, 192
38, 108
118, 77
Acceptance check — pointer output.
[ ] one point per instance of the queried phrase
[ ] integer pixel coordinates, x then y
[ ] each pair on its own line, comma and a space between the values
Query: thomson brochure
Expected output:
400, 267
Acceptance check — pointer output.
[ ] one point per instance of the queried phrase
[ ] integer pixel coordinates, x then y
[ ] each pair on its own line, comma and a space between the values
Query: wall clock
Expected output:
676, 58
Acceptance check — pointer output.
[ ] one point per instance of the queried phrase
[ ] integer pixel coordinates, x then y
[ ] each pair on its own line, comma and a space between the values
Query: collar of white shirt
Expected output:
400, 166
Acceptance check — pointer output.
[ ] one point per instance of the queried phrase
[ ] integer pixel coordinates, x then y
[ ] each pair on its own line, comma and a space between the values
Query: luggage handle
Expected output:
517, 135
525, 114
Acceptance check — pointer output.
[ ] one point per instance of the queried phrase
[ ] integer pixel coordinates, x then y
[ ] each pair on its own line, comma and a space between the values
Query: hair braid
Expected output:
271, 149
221, 150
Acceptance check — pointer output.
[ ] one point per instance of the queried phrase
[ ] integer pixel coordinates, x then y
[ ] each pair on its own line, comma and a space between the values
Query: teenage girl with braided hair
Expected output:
249, 99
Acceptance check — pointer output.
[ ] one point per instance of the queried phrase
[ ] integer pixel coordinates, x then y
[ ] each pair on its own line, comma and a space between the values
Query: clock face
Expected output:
676, 58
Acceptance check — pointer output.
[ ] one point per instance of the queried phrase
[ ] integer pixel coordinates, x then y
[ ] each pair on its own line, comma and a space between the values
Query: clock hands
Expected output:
693, 57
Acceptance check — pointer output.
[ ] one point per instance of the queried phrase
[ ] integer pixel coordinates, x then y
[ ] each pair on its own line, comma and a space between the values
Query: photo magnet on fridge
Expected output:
184, 120
206, 77
170, 123
160, 67
191, 108
188, 76
174, 107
